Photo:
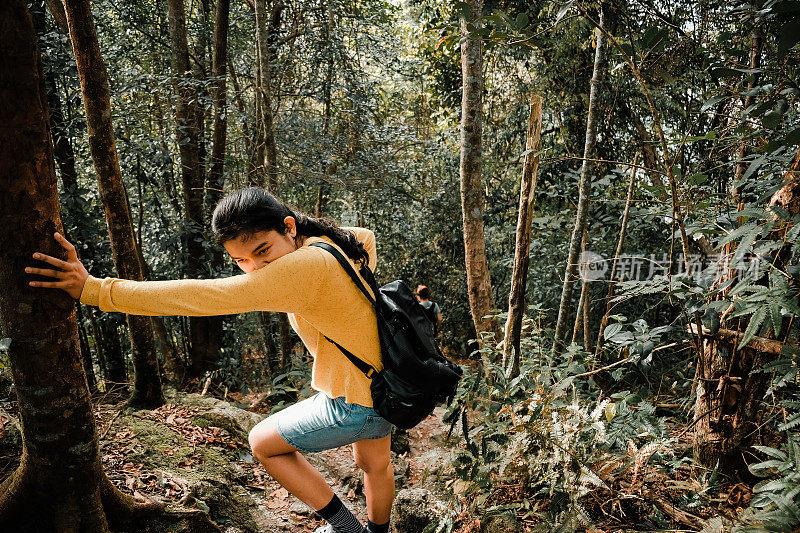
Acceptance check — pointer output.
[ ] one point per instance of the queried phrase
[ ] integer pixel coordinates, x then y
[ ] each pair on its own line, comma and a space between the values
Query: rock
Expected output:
400, 442
500, 523
227, 503
413, 510
221, 414
402, 468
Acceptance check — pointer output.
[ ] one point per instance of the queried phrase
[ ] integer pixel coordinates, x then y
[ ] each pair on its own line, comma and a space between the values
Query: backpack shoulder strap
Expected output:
360, 364
347, 268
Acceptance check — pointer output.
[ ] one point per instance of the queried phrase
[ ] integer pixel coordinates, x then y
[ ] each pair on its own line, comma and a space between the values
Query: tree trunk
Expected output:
219, 63
267, 122
97, 102
519, 275
617, 252
62, 147
86, 353
582, 299
479, 283
584, 188
59, 485
205, 332
729, 392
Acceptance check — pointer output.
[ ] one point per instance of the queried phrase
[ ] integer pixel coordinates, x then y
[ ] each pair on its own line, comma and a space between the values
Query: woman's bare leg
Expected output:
374, 458
288, 467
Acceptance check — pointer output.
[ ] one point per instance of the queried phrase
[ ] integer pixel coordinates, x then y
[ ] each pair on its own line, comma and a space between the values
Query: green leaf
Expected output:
775, 316
738, 232
522, 21
711, 102
788, 36
752, 327
563, 10
772, 452
611, 330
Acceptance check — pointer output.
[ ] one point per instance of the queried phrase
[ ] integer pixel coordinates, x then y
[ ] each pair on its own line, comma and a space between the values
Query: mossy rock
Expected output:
500, 523
218, 413
211, 477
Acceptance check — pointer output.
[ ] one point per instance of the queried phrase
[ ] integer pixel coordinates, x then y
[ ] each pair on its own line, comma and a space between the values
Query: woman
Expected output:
270, 243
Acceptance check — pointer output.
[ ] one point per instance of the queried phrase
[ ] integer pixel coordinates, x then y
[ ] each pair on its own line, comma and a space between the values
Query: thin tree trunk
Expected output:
86, 353
584, 188
582, 298
219, 63
257, 175
319, 205
62, 147
59, 485
97, 102
519, 275
617, 252
267, 120
479, 283
204, 332
98, 343
741, 165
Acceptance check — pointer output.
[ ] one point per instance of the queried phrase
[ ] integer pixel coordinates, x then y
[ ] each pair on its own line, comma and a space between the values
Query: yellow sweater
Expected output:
308, 284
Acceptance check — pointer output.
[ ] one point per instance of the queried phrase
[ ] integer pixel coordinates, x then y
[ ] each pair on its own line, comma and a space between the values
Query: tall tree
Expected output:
59, 485
727, 415
265, 77
584, 186
479, 283
220, 97
97, 102
519, 276
205, 332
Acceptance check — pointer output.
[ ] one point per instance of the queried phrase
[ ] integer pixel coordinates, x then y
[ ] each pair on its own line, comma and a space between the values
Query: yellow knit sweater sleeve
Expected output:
289, 284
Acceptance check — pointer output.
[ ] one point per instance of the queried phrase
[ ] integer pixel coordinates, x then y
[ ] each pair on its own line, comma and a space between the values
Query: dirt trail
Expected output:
282, 511
193, 455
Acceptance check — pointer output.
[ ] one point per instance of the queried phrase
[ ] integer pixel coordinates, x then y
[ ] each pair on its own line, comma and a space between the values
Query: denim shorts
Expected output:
321, 423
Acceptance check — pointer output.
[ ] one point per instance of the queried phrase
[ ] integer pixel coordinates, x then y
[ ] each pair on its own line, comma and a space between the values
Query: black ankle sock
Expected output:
340, 517
375, 528
332, 508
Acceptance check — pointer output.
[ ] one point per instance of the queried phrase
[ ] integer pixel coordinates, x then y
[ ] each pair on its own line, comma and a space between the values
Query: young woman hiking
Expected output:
270, 243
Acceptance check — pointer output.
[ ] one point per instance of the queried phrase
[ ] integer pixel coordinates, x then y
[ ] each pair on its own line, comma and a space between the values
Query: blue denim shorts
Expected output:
321, 423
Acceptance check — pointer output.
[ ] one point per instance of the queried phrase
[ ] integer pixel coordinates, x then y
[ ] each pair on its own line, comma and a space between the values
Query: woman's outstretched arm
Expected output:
289, 284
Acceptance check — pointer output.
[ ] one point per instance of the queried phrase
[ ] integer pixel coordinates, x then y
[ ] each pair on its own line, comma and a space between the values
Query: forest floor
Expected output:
192, 454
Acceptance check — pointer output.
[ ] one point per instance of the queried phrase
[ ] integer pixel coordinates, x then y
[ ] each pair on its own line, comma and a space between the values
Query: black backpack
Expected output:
415, 376
428, 307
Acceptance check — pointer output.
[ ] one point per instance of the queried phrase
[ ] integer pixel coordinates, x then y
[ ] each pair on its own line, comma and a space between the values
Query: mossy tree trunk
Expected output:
97, 102
479, 283
584, 189
59, 484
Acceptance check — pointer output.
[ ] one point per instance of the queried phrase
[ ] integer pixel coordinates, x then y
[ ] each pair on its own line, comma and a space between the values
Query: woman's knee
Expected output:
371, 460
265, 441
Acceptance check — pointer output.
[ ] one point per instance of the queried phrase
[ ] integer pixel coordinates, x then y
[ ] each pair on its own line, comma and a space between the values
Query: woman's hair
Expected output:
244, 212
423, 292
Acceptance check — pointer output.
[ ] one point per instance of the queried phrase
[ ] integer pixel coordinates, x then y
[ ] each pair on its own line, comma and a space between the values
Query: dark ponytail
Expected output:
243, 212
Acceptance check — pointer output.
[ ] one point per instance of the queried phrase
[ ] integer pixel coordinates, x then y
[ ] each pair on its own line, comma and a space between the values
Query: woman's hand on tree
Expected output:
71, 276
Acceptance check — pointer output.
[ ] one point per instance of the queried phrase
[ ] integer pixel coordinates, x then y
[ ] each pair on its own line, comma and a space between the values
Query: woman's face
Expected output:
262, 247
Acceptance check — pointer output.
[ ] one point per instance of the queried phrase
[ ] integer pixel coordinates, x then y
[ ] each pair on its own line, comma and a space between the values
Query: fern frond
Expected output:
644, 454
